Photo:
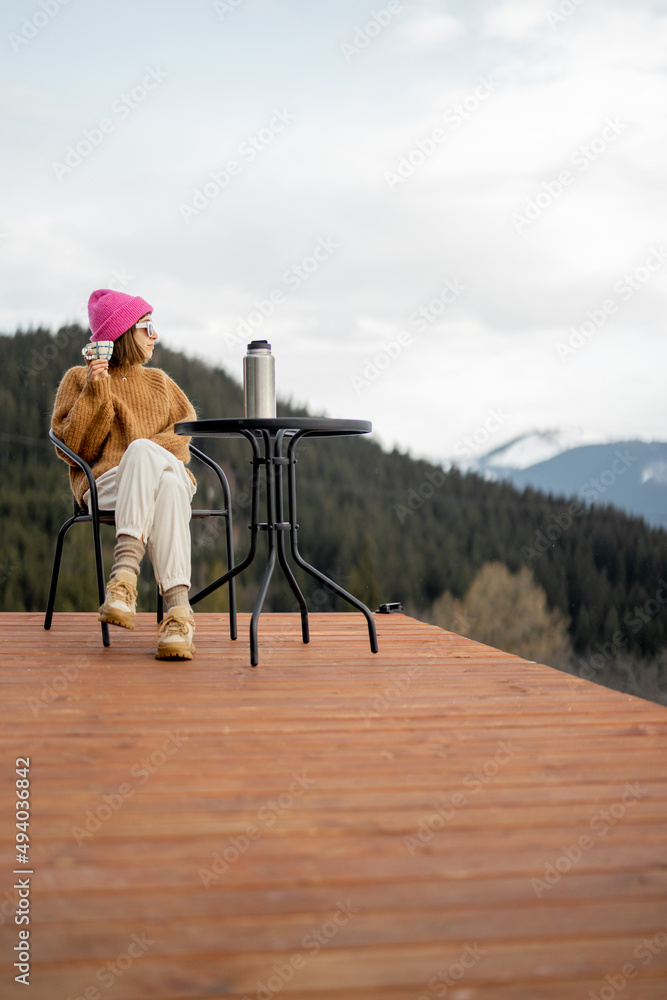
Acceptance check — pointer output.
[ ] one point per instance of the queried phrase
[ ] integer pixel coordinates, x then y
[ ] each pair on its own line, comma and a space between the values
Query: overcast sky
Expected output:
446, 217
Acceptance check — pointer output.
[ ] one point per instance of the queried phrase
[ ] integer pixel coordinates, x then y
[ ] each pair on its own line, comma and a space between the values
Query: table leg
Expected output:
271, 528
372, 633
259, 601
282, 525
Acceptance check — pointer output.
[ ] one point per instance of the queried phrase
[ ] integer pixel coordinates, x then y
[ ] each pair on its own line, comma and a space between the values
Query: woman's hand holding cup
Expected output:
97, 356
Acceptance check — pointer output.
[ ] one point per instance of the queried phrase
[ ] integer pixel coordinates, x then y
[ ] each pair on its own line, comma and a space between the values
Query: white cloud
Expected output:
614, 36
325, 174
515, 19
429, 29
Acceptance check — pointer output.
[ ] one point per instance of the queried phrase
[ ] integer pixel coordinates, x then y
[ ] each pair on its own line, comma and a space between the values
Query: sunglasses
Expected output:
148, 326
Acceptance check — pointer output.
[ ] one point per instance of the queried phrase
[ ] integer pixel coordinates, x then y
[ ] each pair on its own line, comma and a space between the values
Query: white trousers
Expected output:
151, 494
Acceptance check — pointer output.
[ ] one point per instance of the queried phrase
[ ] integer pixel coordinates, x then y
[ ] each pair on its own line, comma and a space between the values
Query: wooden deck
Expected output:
439, 820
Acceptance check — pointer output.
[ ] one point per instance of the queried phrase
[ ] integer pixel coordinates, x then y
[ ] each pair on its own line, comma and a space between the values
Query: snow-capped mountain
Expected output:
535, 447
631, 475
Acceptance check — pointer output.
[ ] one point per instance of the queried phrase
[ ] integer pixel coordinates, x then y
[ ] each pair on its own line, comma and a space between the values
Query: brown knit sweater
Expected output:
99, 419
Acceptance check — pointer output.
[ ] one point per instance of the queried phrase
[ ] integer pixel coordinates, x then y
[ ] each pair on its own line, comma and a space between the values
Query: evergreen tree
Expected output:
386, 526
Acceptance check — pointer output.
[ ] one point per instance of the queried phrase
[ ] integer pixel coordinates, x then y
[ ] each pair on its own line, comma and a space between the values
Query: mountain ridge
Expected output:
629, 474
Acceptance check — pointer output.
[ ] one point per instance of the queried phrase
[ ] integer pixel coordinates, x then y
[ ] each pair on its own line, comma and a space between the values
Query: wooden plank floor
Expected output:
439, 820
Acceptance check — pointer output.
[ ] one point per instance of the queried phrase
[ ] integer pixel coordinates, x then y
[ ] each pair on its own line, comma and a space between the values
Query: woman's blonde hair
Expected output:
126, 351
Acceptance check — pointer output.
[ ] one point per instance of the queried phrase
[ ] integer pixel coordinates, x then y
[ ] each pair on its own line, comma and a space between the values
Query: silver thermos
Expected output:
259, 381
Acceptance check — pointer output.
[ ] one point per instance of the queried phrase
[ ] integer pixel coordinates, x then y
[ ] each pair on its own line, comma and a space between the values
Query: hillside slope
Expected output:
631, 475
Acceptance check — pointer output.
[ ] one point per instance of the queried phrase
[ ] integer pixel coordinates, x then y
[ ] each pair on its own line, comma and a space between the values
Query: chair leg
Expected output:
99, 567
56, 572
232, 582
160, 605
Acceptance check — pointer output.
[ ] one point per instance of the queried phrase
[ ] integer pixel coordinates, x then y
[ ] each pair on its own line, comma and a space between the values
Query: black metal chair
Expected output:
96, 517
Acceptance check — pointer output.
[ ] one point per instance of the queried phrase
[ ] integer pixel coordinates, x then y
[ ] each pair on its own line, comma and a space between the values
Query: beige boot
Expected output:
120, 602
175, 635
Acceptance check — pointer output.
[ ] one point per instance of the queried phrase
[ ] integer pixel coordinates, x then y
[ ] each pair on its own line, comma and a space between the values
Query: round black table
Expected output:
272, 433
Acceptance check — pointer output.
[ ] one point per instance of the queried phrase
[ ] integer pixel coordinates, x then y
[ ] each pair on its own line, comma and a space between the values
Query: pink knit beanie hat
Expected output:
112, 313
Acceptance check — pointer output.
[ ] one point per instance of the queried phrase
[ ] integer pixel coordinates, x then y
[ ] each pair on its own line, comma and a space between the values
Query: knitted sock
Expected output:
127, 554
176, 597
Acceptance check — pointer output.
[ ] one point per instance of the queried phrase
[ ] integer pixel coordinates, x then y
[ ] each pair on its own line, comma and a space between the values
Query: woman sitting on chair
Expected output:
119, 417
